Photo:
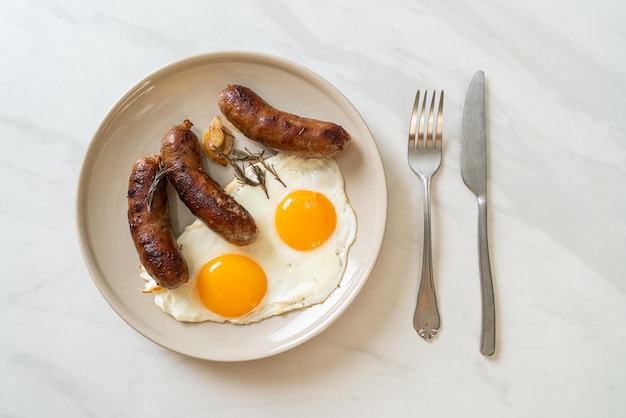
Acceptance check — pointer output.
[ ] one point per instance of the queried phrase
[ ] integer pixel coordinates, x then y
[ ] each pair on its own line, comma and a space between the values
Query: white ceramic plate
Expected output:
133, 128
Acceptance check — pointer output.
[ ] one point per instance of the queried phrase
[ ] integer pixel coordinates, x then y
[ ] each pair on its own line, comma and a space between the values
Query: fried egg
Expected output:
306, 227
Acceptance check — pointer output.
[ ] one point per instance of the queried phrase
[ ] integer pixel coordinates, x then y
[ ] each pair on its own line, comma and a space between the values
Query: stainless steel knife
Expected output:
474, 172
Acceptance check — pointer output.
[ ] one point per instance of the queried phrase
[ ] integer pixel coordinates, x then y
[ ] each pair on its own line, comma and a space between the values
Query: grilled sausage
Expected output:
148, 218
257, 120
180, 151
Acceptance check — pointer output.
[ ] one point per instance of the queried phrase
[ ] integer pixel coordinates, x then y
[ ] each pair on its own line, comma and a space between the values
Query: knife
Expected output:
474, 172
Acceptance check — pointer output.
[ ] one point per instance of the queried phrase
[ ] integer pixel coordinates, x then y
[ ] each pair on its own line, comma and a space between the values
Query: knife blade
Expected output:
474, 173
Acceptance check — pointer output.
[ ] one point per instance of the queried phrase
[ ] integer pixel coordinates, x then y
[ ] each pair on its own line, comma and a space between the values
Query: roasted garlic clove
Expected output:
217, 140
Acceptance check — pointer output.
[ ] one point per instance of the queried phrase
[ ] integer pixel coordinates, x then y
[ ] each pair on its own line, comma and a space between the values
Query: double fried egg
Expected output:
306, 227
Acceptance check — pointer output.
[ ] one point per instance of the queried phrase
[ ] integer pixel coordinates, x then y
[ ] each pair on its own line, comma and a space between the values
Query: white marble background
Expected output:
556, 74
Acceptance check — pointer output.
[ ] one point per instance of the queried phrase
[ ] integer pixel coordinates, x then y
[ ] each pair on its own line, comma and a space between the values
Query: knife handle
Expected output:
488, 325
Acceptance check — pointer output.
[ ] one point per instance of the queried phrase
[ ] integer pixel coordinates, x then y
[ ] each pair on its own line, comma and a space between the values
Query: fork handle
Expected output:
488, 323
426, 319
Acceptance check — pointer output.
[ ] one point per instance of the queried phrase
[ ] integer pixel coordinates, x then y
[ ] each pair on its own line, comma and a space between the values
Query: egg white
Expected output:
295, 279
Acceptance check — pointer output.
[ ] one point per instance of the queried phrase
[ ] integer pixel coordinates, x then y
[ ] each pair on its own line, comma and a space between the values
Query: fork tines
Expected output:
428, 137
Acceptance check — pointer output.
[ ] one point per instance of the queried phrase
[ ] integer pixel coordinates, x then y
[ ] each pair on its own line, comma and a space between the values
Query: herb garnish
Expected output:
238, 157
155, 183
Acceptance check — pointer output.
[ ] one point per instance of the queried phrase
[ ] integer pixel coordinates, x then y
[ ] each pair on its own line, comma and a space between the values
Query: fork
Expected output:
424, 157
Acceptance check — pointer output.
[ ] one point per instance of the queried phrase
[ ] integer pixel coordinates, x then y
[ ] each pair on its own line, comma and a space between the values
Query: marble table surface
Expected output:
557, 161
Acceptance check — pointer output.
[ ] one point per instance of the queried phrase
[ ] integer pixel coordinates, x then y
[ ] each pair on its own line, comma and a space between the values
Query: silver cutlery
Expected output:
474, 172
424, 157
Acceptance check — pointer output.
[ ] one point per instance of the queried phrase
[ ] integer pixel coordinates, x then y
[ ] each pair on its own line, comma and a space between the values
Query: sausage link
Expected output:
180, 151
150, 228
257, 120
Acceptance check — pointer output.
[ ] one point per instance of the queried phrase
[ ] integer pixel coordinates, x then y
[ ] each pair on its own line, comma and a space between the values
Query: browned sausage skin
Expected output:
257, 120
148, 218
180, 151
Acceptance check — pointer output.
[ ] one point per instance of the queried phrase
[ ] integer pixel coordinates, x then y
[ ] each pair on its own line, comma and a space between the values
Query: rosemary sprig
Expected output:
240, 173
270, 168
155, 183
260, 175
238, 157
245, 155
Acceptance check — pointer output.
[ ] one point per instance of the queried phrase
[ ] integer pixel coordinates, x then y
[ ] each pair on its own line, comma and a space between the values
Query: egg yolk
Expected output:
231, 285
305, 219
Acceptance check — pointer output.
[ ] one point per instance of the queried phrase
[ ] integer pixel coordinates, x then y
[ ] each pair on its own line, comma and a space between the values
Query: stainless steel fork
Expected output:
425, 158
